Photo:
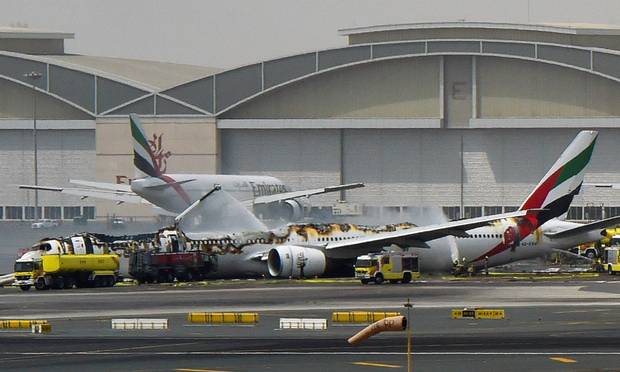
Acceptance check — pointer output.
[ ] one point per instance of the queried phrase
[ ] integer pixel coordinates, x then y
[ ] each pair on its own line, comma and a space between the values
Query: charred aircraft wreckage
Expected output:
201, 245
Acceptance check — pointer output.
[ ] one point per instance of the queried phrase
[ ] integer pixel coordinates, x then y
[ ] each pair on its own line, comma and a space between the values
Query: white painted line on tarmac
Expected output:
179, 291
491, 353
277, 288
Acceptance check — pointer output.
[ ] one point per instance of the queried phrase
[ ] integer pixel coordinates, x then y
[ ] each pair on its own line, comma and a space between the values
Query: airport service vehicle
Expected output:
610, 238
80, 261
592, 250
173, 193
588, 250
65, 271
150, 267
168, 260
611, 259
391, 266
118, 223
44, 224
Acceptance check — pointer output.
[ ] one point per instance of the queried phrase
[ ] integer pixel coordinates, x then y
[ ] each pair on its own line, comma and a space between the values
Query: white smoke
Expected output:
221, 214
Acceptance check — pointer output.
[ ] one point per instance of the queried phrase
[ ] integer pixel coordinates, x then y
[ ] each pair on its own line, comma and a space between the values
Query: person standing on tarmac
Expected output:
486, 265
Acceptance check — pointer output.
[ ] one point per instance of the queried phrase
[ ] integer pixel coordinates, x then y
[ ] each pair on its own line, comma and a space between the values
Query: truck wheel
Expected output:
379, 278
364, 281
69, 283
610, 270
59, 283
40, 284
406, 278
24, 287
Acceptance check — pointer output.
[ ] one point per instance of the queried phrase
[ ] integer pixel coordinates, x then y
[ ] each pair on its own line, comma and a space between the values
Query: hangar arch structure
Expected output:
223, 95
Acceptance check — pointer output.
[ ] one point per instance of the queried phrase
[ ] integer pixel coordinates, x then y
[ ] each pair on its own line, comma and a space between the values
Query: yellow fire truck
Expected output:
392, 266
611, 256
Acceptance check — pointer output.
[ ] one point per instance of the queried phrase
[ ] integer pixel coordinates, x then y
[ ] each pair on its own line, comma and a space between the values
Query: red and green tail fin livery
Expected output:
554, 193
143, 158
556, 190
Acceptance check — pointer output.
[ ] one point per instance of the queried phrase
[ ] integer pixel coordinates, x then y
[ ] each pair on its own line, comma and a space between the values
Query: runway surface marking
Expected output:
199, 370
563, 360
373, 364
556, 291
164, 291
32, 356
145, 347
327, 353
579, 311
579, 322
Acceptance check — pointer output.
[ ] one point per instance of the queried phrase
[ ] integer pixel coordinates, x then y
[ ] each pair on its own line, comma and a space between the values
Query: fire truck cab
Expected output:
392, 266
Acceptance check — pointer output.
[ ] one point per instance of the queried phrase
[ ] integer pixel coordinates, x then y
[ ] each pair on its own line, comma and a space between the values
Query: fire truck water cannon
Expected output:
391, 324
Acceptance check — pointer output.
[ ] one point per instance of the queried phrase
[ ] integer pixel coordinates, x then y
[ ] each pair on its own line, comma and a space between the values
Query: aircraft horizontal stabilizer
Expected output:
44, 188
603, 185
602, 224
166, 185
117, 196
103, 185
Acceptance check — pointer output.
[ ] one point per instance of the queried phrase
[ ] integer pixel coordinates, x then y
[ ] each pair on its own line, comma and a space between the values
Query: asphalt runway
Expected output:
549, 326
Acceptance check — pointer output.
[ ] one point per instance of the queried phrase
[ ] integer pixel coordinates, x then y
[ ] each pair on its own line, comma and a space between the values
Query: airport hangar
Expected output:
466, 116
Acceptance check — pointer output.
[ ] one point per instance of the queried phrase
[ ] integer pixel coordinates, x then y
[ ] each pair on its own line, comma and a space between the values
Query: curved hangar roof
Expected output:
81, 82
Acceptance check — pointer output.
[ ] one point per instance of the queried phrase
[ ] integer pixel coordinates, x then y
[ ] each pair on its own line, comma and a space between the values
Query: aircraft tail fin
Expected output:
556, 190
143, 159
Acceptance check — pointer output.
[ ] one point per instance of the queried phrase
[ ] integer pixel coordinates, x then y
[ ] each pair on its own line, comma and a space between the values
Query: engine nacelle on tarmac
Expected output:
292, 261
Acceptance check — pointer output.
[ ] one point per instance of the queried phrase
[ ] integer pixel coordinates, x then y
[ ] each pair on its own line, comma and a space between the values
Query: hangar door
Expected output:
307, 158
398, 166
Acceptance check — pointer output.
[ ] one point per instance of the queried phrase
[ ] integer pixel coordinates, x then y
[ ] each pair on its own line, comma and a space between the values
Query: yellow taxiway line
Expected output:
371, 364
563, 360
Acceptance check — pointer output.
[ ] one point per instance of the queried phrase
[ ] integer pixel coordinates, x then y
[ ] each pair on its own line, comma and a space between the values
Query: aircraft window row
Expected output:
229, 241
51, 212
483, 236
336, 238
331, 239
